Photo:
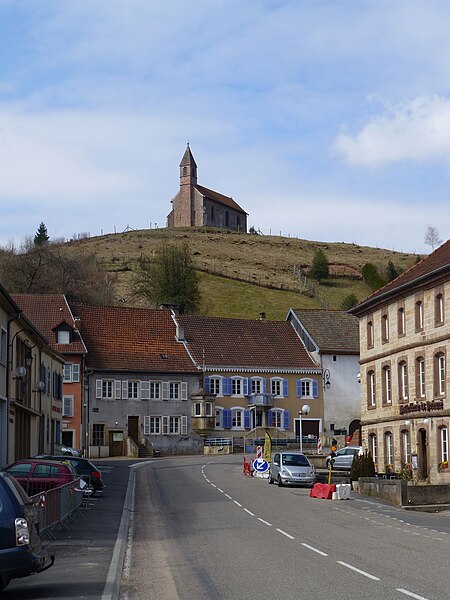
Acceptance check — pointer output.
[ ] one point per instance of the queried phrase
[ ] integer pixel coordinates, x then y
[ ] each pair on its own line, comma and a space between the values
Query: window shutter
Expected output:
165, 390
286, 420
226, 416
54, 385
285, 388
42, 375
184, 390
207, 384
145, 390
125, 390
146, 425
226, 386
246, 418
299, 388
270, 414
184, 425
245, 386
117, 390
98, 388
165, 425
47, 381
60, 386
264, 386
315, 389
75, 373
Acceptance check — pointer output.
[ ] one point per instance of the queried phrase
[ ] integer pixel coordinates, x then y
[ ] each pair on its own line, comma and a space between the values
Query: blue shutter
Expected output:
270, 418
264, 385
207, 385
299, 388
286, 420
245, 386
315, 388
246, 418
226, 386
229, 418
226, 418
285, 388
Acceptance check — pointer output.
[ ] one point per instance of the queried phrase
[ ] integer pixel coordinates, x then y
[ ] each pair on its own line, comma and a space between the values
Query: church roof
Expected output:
216, 197
187, 159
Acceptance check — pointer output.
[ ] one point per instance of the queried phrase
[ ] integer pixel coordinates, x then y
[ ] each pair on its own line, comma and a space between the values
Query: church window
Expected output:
184, 170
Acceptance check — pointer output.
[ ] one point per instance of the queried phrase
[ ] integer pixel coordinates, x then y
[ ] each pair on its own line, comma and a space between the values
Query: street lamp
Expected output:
305, 410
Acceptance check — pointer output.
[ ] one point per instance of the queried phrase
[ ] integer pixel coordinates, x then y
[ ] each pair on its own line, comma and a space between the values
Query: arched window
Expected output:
439, 374
386, 384
420, 377
439, 309
369, 334
403, 380
443, 443
184, 171
237, 421
371, 398
385, 328
373, 447
406, 447
388, 449
419, 315
401, 321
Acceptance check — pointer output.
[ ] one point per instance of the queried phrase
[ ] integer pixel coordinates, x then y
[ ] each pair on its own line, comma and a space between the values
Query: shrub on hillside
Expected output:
319, 267
372, 277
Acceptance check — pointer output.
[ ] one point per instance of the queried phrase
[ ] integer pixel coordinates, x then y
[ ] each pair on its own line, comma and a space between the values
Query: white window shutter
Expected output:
165, 390
146, 425
98, 388
184, 389
165, 425
183, 425
125, 390
75, 372
145, 390
117, 389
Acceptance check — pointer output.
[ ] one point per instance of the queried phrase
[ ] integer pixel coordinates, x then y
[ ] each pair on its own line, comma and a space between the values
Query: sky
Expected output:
325, 120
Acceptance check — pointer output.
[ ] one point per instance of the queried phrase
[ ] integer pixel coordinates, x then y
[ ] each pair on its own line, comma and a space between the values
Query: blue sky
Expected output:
325, 120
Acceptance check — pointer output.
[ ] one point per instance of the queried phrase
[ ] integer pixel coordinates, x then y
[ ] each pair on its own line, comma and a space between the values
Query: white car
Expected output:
344, 458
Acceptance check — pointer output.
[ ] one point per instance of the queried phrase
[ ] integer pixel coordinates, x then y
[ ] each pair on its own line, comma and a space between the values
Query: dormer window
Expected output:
63, 336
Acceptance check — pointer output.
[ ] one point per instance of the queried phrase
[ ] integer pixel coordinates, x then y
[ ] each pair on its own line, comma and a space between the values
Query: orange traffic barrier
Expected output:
322, 490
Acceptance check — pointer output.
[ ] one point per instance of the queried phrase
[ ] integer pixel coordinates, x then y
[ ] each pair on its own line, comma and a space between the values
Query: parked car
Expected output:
36, 475
21, 551
68, 451
83, 468
344, 458
291, 468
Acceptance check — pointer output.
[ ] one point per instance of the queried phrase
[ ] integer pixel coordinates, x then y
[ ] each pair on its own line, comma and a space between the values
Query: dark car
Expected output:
37, 476
21, 551
83, 468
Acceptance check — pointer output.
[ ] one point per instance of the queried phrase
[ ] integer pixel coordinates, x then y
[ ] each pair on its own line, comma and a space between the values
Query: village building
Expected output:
197, 206
404, 345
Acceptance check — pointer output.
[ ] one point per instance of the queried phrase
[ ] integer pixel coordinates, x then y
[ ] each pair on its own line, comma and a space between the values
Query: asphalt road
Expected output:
201, 530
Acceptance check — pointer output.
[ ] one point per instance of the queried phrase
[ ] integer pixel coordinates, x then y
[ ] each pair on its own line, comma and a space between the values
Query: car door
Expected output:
275, 466
340, 461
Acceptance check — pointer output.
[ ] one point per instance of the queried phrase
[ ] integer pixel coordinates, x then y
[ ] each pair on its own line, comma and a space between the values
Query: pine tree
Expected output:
41, 237
319, 267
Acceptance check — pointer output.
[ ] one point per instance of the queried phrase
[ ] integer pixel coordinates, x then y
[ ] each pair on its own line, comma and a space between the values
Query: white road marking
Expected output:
249, 512
214, 485
314, 549
207, 480
265, 522
228, 496
410, 594
358, 570
236, 502
286, 534
219, 490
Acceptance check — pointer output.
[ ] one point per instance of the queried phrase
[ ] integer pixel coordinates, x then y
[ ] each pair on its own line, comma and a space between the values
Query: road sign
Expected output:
260, 466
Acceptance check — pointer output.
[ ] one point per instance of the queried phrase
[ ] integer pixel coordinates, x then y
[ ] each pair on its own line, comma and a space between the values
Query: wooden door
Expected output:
133, 429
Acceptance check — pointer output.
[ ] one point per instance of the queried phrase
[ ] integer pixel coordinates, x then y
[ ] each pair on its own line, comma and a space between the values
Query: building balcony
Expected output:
261, 400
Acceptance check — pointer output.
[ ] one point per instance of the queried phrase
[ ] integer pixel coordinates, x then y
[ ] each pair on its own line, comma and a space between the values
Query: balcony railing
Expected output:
261, 399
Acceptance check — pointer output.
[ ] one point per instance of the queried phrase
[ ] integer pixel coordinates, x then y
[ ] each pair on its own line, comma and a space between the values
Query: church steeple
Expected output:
188, 168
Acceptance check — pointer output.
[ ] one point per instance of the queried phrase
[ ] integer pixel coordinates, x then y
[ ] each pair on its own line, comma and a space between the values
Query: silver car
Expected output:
289, 468
344, 458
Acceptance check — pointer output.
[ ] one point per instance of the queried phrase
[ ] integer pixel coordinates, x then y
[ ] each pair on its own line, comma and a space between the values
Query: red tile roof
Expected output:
226, 200
238, 343
47, 311
435, 264
132, 339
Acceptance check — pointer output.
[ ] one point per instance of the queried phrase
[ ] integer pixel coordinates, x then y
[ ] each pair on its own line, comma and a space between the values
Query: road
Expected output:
201, 530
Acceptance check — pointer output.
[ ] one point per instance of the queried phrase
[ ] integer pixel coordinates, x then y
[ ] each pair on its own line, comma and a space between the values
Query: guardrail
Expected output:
56, 506
218, 442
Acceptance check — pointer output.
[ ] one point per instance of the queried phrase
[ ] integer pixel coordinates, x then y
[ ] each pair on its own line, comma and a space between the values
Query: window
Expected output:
406, 448
155, 425
306, 387
388, 449
174, 390
276, 387
371, 398
401, 321
334, 358
444, 444
419, 315
420, 377
107, 388
219, 420
208, 409
197, 409
67, 406
384, 328
71, 373
257, 385
439, 370
373, 447
215, 386
63, 337
237, 418
174, 425
276, 419
369, 334
403, 380
155, 390
236, 386
3, 346
133, 390
98, 434
386, 383
439, 309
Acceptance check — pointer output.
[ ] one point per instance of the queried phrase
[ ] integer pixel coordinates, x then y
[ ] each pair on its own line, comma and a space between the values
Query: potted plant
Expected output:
443, 465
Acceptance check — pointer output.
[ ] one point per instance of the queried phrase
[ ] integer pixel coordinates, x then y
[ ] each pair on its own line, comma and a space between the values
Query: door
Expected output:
67, 439
422, 444
133, 429
116, 443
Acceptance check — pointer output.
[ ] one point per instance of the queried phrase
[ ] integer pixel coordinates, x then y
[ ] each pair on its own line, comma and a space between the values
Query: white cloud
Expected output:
418, 130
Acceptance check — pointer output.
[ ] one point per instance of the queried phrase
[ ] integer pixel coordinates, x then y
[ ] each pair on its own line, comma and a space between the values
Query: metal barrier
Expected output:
218, 441
55, 506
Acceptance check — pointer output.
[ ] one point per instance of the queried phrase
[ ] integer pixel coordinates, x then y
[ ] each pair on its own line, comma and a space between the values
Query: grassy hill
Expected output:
243, 274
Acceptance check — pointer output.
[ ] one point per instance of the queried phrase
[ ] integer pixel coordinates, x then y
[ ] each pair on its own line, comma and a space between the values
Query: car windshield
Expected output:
295, 460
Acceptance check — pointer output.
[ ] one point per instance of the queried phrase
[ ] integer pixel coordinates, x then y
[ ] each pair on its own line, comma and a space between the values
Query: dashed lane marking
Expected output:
286, 534
411, 594
314, 549
344, 564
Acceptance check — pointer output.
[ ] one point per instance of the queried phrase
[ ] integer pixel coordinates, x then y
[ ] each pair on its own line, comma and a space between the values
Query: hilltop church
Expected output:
196, 206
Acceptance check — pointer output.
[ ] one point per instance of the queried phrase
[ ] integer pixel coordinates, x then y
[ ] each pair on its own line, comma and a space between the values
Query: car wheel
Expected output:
280, 483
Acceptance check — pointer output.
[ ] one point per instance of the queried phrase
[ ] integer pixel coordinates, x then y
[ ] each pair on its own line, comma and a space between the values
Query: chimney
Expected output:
262, 316
179, 332
77, 323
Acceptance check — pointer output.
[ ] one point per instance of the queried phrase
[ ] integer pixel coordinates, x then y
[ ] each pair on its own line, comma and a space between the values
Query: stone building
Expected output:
404, 340
197, 206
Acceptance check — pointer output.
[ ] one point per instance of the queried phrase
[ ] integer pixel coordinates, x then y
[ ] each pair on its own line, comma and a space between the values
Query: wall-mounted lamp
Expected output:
407, 423
20, 373
40, 387
29, 358
358, 378
426, 421
326, 379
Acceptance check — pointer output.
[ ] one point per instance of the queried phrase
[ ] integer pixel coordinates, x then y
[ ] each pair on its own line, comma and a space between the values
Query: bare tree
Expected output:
432, 237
